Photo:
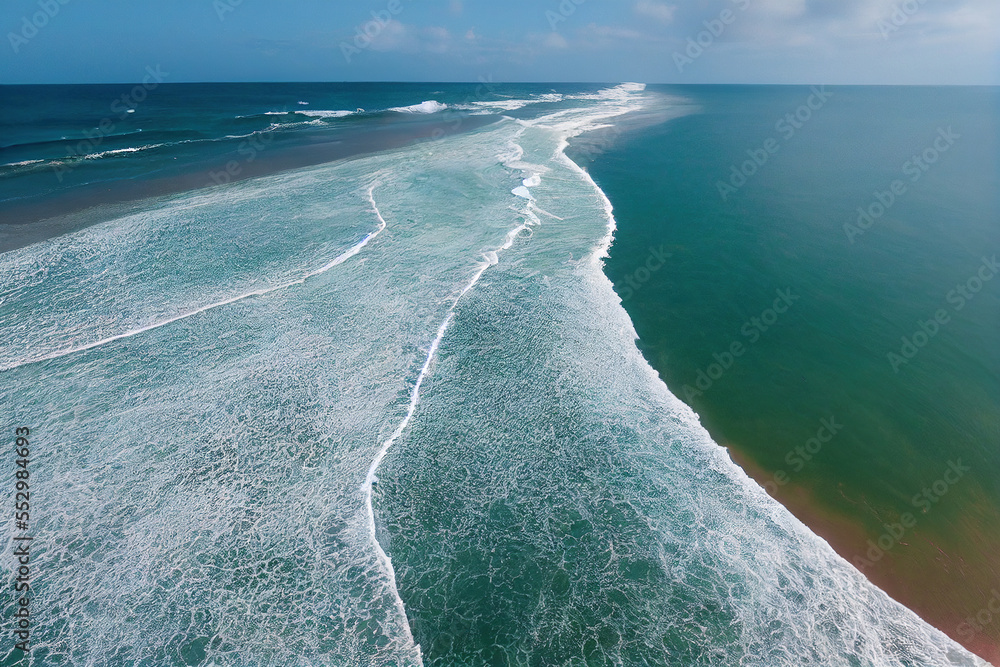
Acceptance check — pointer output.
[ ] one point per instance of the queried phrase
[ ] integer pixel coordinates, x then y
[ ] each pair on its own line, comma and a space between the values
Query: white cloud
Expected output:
780, 9
555, 41
396, 36
610, 32
772, 40
660, 11
591, 37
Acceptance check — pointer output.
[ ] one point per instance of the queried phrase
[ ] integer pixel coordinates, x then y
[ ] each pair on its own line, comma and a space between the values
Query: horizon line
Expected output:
507, 83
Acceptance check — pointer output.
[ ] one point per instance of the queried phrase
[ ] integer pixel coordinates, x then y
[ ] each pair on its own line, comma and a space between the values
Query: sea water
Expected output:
390, 411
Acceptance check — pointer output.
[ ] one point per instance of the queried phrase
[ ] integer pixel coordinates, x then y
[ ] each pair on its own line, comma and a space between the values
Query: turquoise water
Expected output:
905, 410
390, 411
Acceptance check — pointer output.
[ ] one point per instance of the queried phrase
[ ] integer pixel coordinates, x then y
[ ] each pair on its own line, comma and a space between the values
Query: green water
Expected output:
898, 421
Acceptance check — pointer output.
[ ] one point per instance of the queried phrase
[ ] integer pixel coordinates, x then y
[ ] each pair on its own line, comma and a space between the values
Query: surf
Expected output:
446, 451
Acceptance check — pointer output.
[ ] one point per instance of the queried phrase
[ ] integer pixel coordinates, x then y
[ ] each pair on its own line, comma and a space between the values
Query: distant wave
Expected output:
494, 107
16, 169
427, 106
620, 91
510, 104
326, 114
25, 165
28, 165
286, 119
75, 149
21, 164
121, 151
99, 138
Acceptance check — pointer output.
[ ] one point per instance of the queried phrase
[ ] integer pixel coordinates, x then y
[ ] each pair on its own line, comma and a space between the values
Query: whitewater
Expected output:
390, 411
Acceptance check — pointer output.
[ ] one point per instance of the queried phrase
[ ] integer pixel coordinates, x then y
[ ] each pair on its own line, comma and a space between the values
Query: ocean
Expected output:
868, 399
360, 393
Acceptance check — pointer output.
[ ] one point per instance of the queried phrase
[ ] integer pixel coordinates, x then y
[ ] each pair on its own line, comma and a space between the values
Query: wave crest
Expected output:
427, 106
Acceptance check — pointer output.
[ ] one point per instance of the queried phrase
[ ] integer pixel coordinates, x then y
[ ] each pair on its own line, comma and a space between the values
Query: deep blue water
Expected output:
65, 147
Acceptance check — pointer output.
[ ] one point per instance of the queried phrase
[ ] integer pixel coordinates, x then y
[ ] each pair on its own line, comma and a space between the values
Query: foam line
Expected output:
340, 259
370, 479
512, 159
383, 557
534, 207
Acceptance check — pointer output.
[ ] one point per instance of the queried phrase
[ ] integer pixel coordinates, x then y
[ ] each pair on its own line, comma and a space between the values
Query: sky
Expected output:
651, 41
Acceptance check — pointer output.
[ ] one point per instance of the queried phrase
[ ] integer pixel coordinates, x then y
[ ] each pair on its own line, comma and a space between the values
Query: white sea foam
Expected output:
494, 107
340, 113
121, 151
25, 163
491, 259
617, 93
428, 106
497, 106
336, 261
523, 192
312, 113
232, 136
235, 459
